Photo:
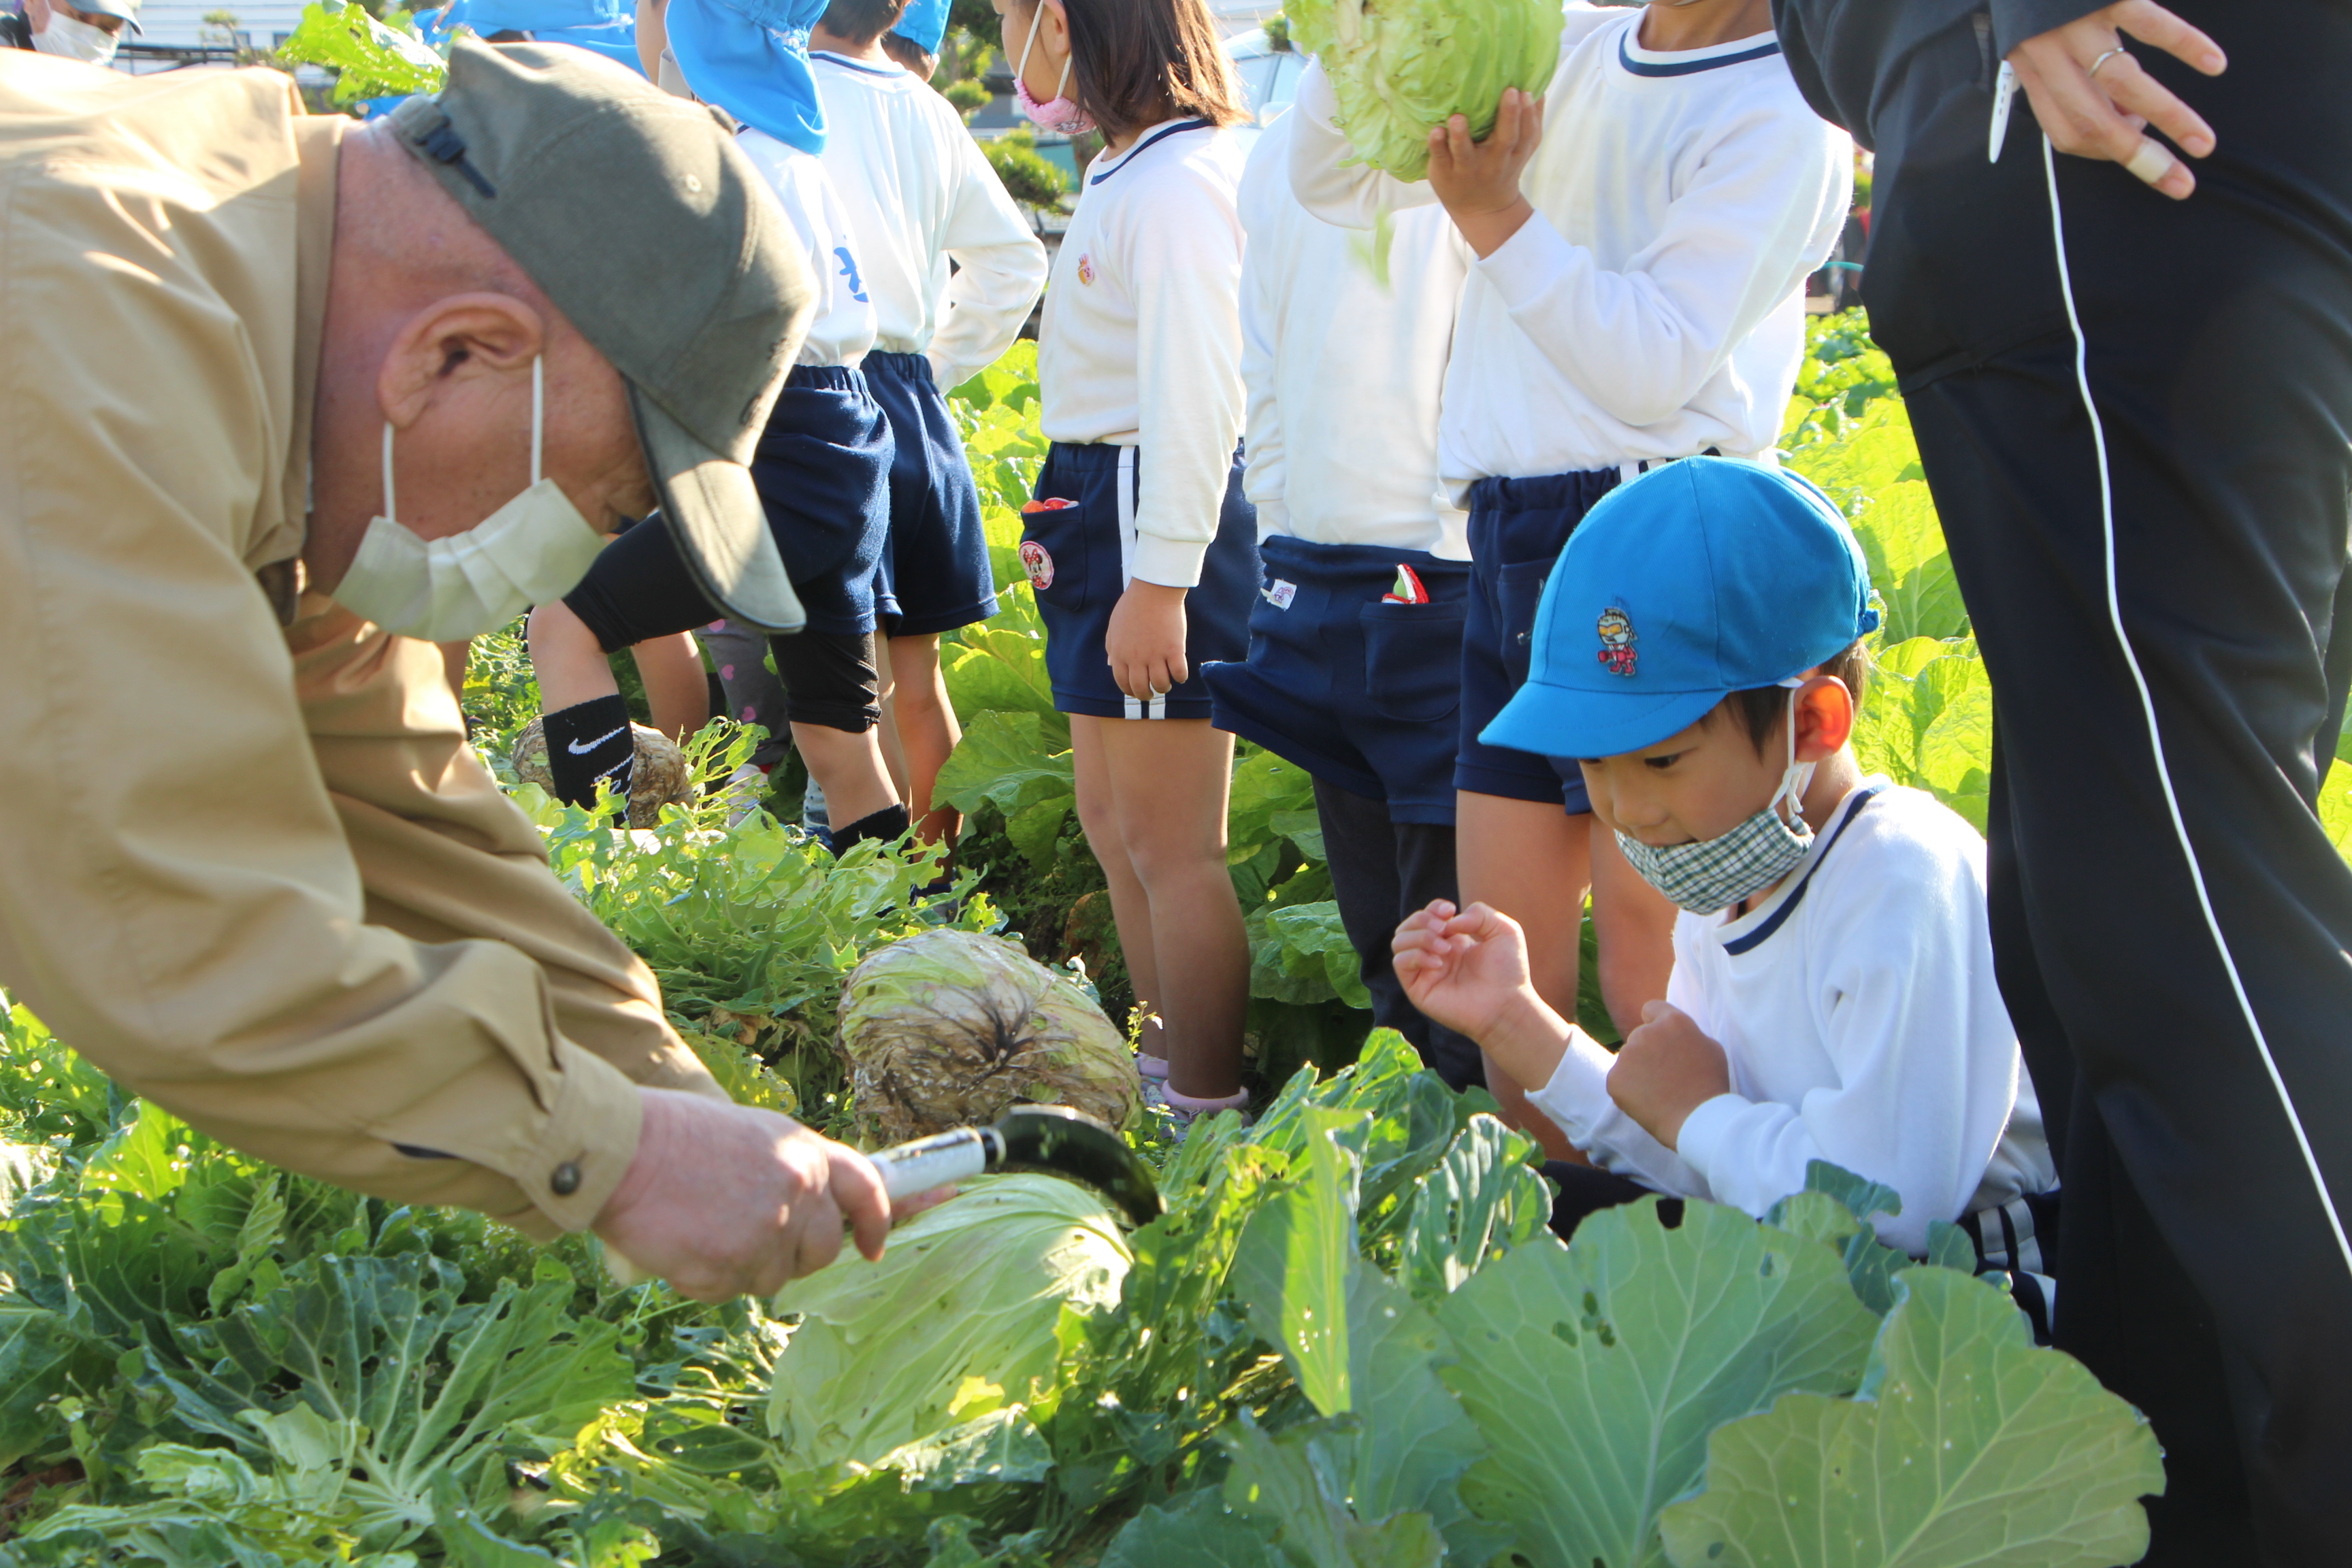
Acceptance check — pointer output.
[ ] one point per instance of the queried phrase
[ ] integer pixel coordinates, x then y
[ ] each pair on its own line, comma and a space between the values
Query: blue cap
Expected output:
751, 58
923, 24
1699, 579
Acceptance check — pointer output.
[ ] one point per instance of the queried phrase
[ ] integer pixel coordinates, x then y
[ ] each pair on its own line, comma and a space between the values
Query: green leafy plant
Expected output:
370, 58
1027, 176
968, 94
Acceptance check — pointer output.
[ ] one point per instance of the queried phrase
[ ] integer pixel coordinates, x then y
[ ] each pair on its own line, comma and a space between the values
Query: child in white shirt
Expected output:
916, 193
1698, 653
1355, 650
1641, 245
1140, 545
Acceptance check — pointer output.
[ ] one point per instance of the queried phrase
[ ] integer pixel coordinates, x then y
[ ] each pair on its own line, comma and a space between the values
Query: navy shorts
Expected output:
1360, 693
1077, 556
1517, 529
823, 472
935, 573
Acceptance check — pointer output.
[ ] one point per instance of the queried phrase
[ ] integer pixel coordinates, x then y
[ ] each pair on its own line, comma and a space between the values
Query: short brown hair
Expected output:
862, 21
911, 56
1761, 709
1135, 63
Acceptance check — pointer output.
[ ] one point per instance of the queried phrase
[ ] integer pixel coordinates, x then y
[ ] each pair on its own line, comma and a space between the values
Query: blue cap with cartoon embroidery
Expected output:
1704, 577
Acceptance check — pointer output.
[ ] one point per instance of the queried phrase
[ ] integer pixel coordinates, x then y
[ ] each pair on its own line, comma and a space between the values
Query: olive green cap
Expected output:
655, 235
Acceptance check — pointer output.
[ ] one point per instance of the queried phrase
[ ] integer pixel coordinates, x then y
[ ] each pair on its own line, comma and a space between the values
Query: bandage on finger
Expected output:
2152, 161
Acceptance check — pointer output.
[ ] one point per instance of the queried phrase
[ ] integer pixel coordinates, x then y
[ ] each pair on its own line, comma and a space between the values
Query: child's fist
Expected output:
1667, 1069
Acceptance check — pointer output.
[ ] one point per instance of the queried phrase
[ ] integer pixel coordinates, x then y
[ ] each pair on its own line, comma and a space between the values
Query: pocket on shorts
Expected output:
1517, 591
1054, 554
1412, 661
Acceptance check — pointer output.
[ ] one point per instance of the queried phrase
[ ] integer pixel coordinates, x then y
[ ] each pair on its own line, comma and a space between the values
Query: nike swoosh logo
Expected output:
582, 748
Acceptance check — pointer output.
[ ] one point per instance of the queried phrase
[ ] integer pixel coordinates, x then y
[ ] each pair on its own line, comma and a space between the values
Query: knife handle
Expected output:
939, 1161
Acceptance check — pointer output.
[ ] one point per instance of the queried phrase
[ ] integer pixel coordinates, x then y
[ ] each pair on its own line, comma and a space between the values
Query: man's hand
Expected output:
727, 1200
1479, 181
1667, 1069
2108, 116
1145, 640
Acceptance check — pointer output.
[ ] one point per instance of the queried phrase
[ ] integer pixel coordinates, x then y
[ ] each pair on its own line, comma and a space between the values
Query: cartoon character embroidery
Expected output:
1086, 268
1617, 654
1037, 563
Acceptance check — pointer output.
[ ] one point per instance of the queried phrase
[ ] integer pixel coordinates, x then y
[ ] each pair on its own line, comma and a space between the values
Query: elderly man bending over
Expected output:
281, 388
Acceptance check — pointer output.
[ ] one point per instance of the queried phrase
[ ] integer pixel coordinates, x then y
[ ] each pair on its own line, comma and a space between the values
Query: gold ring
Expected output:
2103, 60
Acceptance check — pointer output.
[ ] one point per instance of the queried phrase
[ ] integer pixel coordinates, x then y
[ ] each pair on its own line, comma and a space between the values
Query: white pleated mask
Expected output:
531, 550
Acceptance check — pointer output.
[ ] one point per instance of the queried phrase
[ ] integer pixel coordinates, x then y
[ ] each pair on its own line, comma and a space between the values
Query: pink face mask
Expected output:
1059, 115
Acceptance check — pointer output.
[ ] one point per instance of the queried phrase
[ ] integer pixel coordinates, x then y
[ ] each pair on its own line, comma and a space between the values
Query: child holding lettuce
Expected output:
1642, 236
1356, 637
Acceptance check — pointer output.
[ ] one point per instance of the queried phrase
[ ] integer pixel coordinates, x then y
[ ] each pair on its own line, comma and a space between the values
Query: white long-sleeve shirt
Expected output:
1343, 370
843, 328
1858, 1009
916, 191
1652, 306
1142, 338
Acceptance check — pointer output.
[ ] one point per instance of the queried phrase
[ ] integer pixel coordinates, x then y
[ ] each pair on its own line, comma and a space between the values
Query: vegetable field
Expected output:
1350, 1343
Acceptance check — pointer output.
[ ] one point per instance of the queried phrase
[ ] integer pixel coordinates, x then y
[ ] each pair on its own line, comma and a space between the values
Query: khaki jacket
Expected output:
250, 867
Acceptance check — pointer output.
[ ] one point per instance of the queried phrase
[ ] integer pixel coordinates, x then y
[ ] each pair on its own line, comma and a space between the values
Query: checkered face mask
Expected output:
1713, 874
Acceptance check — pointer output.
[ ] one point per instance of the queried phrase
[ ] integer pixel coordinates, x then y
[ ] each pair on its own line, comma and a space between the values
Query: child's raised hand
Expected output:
1667, 1068
1145, 640
1479, 181
1464, 969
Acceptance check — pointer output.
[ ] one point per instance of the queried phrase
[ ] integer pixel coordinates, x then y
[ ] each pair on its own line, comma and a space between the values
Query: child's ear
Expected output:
1824, 718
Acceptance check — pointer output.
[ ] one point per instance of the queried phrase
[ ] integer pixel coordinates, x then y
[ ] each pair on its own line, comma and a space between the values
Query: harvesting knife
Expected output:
1052, 1139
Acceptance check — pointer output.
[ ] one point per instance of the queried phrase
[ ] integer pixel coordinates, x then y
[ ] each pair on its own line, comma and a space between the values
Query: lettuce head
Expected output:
1401, 67
951, 1028
957, 1322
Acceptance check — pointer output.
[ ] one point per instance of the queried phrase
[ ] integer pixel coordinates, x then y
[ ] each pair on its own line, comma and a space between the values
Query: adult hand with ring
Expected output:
2095, 99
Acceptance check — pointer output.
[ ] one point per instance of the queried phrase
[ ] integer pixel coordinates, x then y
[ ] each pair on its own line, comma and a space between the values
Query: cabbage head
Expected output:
955, 1324
1402, 68
951, 1028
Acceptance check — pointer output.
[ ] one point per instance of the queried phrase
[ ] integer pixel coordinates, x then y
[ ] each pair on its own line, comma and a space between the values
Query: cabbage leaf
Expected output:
1401, 67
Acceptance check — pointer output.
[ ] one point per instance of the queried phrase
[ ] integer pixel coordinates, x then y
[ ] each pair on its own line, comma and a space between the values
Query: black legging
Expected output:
640, 589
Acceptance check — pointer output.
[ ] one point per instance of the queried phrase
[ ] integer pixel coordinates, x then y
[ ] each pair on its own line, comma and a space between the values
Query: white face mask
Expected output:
69, 37
533, 550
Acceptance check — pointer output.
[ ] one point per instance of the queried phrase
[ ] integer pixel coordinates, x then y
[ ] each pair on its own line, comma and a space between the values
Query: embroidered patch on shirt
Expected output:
1617, 654
1085, 267
1037, 563
1279, 594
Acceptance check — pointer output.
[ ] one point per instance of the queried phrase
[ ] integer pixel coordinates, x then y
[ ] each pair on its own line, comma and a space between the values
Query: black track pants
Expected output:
1380, 872
2188, 1045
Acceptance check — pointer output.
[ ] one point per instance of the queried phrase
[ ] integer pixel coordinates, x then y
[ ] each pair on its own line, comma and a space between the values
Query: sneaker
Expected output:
1186, 1109
745, 792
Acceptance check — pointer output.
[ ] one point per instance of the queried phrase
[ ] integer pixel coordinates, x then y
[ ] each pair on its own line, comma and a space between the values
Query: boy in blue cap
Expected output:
1698, 652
